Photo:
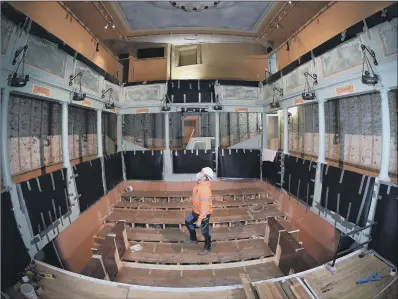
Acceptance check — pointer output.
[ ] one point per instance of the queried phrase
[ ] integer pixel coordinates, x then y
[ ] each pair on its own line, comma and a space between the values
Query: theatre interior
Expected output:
266, 128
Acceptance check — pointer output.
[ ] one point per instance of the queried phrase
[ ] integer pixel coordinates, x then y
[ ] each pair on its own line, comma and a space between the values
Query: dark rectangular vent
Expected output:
150, 53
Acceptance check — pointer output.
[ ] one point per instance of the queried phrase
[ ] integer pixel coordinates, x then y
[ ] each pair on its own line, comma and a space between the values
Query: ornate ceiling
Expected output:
134, 22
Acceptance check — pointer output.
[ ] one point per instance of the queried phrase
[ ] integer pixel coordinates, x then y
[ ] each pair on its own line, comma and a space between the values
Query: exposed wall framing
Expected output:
34, 133
236, 127
82, 126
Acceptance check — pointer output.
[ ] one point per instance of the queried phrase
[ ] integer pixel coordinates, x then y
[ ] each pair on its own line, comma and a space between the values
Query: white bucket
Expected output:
28, 291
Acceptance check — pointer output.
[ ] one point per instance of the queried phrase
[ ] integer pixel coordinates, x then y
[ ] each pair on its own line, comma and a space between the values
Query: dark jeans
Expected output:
204, 228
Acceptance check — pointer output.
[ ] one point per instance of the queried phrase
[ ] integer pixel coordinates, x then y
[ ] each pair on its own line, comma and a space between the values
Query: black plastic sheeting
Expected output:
89, 182
354, 190
144, 165
299, 178
385, 234
238, 163
272, 171
176, 90
192, 161
41, 194
14, 255
239, 83
113, 170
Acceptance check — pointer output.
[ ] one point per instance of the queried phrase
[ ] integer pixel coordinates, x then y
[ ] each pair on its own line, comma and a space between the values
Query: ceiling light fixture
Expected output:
290, 2
113, 26
194, 6
106, 26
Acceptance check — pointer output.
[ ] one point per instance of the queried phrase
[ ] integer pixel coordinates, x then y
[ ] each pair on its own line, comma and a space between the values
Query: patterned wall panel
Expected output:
90, 79
176, 130
268, 91
296, 78
239, 93
7, 28
45, 56
142, 93
393, 101
34, 134
114, 97
82, 124
344, 57
388, 35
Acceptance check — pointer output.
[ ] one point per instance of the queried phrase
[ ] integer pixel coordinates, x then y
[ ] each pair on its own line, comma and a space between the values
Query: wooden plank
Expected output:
343, 283
247, 286
288, 248
268, 290
285, 285
274, 228
195, 277
299, 291
178, 217
175, 253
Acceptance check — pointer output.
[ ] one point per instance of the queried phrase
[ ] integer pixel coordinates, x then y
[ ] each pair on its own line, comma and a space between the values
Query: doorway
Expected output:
191, 128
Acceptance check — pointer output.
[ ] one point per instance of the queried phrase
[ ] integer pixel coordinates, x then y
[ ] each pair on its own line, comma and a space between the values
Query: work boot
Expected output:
205, 251
189, 241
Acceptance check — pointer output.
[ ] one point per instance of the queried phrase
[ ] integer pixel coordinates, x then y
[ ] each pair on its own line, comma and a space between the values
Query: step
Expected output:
178, 253
150, 204
192, 278
219, 215
176, 235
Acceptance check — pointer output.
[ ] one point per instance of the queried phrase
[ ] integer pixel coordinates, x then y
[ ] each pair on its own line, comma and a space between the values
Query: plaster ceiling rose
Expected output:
194, 6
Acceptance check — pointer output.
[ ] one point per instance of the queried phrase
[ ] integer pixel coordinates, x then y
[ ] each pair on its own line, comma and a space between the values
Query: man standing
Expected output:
201, 209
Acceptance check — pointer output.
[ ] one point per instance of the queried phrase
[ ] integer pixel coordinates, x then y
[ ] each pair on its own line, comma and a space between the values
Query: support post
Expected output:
285, 131
217, 130
265, 130
166, 131
5, 163
119, 133
322, 132
65, 134
386, 135
99, 134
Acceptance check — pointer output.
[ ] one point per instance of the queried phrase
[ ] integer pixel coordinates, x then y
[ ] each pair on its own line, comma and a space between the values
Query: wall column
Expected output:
322, 132
99, 134
119, 131
167, 131
65, 136
386, 135
285, 131
217, 130
265, 130
5, 163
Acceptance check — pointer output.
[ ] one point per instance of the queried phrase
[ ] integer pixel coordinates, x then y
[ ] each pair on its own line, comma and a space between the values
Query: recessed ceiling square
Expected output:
162, 15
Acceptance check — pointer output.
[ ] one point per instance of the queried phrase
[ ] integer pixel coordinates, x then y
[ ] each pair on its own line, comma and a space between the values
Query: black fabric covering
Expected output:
192, 161
349, 190
385, 234
271, 171
14, 255
39, 199
113, 170
301, 174
238, 163
50, 255
239, 83
191, 88
144, 165
89, 182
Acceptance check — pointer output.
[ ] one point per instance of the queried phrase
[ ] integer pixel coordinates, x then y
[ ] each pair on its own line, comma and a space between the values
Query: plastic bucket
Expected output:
28, 291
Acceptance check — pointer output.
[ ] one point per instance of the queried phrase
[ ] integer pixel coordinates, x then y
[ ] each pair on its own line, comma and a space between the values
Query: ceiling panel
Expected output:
162, 15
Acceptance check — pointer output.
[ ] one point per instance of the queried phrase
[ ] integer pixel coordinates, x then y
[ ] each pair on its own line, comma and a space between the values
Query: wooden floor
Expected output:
219, 215
196, 278
178, 253
341, 285
175, 235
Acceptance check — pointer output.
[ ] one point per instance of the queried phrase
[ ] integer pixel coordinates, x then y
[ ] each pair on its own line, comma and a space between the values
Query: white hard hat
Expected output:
208, 172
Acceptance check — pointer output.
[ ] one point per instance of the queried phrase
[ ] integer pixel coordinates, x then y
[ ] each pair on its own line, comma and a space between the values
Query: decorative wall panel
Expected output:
114, 97
296, 78
393, 101
34, 133
7, 28
388, 34
90, 79
346, 56
143, 93
45, 56
230, 93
